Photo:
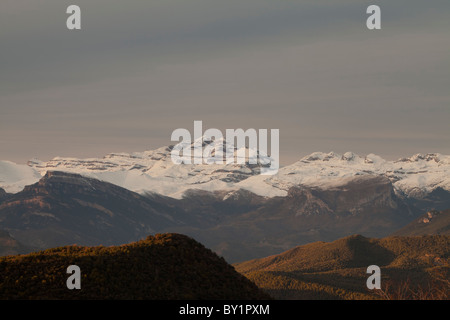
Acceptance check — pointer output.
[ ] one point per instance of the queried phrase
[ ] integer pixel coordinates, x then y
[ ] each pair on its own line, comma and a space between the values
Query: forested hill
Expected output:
164, 266
411, 268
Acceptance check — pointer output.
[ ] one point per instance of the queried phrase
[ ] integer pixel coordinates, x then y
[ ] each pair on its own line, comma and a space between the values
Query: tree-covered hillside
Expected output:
164, 266
411, 268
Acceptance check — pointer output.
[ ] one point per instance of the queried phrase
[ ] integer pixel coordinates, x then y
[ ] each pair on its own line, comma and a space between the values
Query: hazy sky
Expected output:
137, 70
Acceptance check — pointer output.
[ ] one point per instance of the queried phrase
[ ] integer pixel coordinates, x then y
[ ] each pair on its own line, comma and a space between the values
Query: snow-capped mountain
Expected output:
237, 212
154, 172
414, 176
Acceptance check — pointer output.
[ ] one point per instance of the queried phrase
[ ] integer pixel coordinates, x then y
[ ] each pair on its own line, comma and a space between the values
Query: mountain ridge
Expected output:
65, 208
154, 172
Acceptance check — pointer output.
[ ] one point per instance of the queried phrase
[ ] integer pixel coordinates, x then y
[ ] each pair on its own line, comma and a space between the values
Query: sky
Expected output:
138, 70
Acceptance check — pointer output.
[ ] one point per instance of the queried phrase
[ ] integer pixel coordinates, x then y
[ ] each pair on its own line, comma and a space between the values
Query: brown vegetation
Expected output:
411, 268
164, 266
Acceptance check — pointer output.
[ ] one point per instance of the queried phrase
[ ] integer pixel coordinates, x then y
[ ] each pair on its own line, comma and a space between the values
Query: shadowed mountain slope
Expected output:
432, 222
10, 246
64, 208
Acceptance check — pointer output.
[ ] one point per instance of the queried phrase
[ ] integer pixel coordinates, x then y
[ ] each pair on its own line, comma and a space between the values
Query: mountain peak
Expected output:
320, 156
349, 156
427, 157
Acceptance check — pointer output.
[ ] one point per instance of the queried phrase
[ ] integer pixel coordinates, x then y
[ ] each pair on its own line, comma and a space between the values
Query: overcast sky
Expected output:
137, 70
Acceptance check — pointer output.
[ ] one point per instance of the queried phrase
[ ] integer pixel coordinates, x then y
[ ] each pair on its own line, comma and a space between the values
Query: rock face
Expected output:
356, 196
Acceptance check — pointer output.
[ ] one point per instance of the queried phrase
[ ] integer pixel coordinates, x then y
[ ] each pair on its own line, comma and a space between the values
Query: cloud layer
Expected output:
137, 71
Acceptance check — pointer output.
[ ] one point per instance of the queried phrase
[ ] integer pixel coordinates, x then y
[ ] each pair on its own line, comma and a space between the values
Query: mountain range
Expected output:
230, 208
154, 172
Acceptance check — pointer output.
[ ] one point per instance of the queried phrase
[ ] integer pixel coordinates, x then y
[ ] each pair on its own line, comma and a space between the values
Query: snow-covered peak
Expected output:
436, 157
420, 172
319, 156
14, 177
349, 158
154, 172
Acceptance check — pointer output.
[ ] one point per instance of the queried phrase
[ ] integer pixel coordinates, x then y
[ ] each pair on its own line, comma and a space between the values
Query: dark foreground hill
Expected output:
411, 268
164, 266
